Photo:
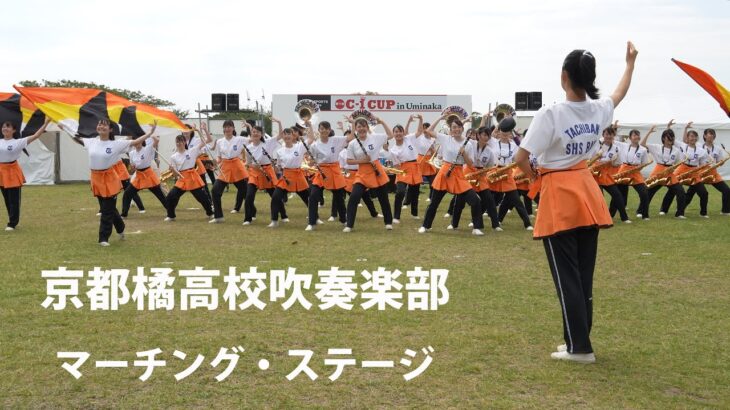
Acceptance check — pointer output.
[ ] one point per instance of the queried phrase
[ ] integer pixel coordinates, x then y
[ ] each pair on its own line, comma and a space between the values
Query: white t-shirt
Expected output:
271, 145
104, 154
423, 144
343, 161
665, 156
291, 157
716, 153
408, 151
611, 154
694, 156
229, 149
632, 155
325, 153
505, 152
371, 144
567, 133
481, 157
10, 149
143, 158
450, 147
388, 158
185, 160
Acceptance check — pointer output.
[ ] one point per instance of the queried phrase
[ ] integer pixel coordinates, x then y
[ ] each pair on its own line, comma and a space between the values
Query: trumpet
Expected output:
501, 173
623, 178
306, 110
663, 177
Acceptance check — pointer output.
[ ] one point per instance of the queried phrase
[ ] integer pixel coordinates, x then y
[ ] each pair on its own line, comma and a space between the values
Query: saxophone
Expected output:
623, 176
706, 175
662, 177
501, 173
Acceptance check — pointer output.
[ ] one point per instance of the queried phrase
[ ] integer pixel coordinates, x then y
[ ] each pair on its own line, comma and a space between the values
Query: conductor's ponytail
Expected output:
580, 65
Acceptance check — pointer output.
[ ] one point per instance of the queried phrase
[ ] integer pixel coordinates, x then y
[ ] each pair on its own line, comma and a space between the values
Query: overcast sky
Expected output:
184, 50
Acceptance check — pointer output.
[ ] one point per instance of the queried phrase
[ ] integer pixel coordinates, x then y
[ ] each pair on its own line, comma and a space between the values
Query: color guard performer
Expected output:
104, 152
141, 157
363, 151
182, 163
563, 136
11, 175
633, 158
450, 178
667, 157
230, 150
408, 183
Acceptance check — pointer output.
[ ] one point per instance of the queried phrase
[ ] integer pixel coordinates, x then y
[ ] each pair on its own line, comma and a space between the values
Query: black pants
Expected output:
249, 206
205, 183
219, 186
511, 200
641, 190
429, 179
137, 200
410, 193
316, 195
357, 193
617, 201
277, 202
130, 192
725, 191
174, 197
701, 191
12, 203
470, 197
366, 199
526, 200
572, 259
498, 197
488, 206
109, 217
673, 191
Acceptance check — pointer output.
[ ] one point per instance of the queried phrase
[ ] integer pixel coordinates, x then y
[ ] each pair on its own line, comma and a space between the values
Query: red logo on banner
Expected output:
339, 104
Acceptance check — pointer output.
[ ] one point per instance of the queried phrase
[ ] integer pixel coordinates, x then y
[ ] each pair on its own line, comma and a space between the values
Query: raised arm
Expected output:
388, 131
138, 141
623, 85
280, 135
686, 128
408, 124
419, 130
40, 131
646, 136
435, 123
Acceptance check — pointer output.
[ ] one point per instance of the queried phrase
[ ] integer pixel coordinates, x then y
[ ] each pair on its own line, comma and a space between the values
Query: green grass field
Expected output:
661, 328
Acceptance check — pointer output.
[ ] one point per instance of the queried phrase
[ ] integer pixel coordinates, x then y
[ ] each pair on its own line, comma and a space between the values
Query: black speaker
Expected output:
232, 102
521, 101
218, 102
535, 101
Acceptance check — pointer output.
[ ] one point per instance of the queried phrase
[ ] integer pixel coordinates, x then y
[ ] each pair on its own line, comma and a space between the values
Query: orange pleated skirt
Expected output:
11, 175
145, 179
335, 179
413, 174
293, 180
426, 169
190, 180
256, 176
454, 183
367, 177
105, 183
232, 170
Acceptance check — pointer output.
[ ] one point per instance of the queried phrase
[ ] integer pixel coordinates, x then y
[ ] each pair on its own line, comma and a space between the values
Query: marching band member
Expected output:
230, 150
523, 185
363, 150
606, 167
483, 158
633, 155
182, 163
192, 140
572, 208
694, 157
666, 155
718, 155
350, 172
11, 175
121, 169
325, 154
408, 184
141, 158
289, 158
426, 148
450, 178
505, 152
259, 151
104, 152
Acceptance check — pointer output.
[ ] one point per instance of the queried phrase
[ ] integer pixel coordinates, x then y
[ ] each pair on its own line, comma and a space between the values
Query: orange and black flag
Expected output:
716, 90
80, 109
22, 113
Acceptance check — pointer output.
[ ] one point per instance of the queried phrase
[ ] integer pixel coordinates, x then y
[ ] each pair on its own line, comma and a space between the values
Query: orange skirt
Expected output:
121, 170
105, 183
505, 185
296, 179
659, 168
232, 170
454, 183
11, 175
190, 180
366, 175
426, 169
334, 179
350, 179
256, 177
605, 177
145, 179
413, 173
636, 177
715, 177
685, 168
569, 199
199, 167
482, 183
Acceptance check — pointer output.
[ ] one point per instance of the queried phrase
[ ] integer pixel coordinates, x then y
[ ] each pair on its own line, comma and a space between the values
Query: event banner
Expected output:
375, 103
